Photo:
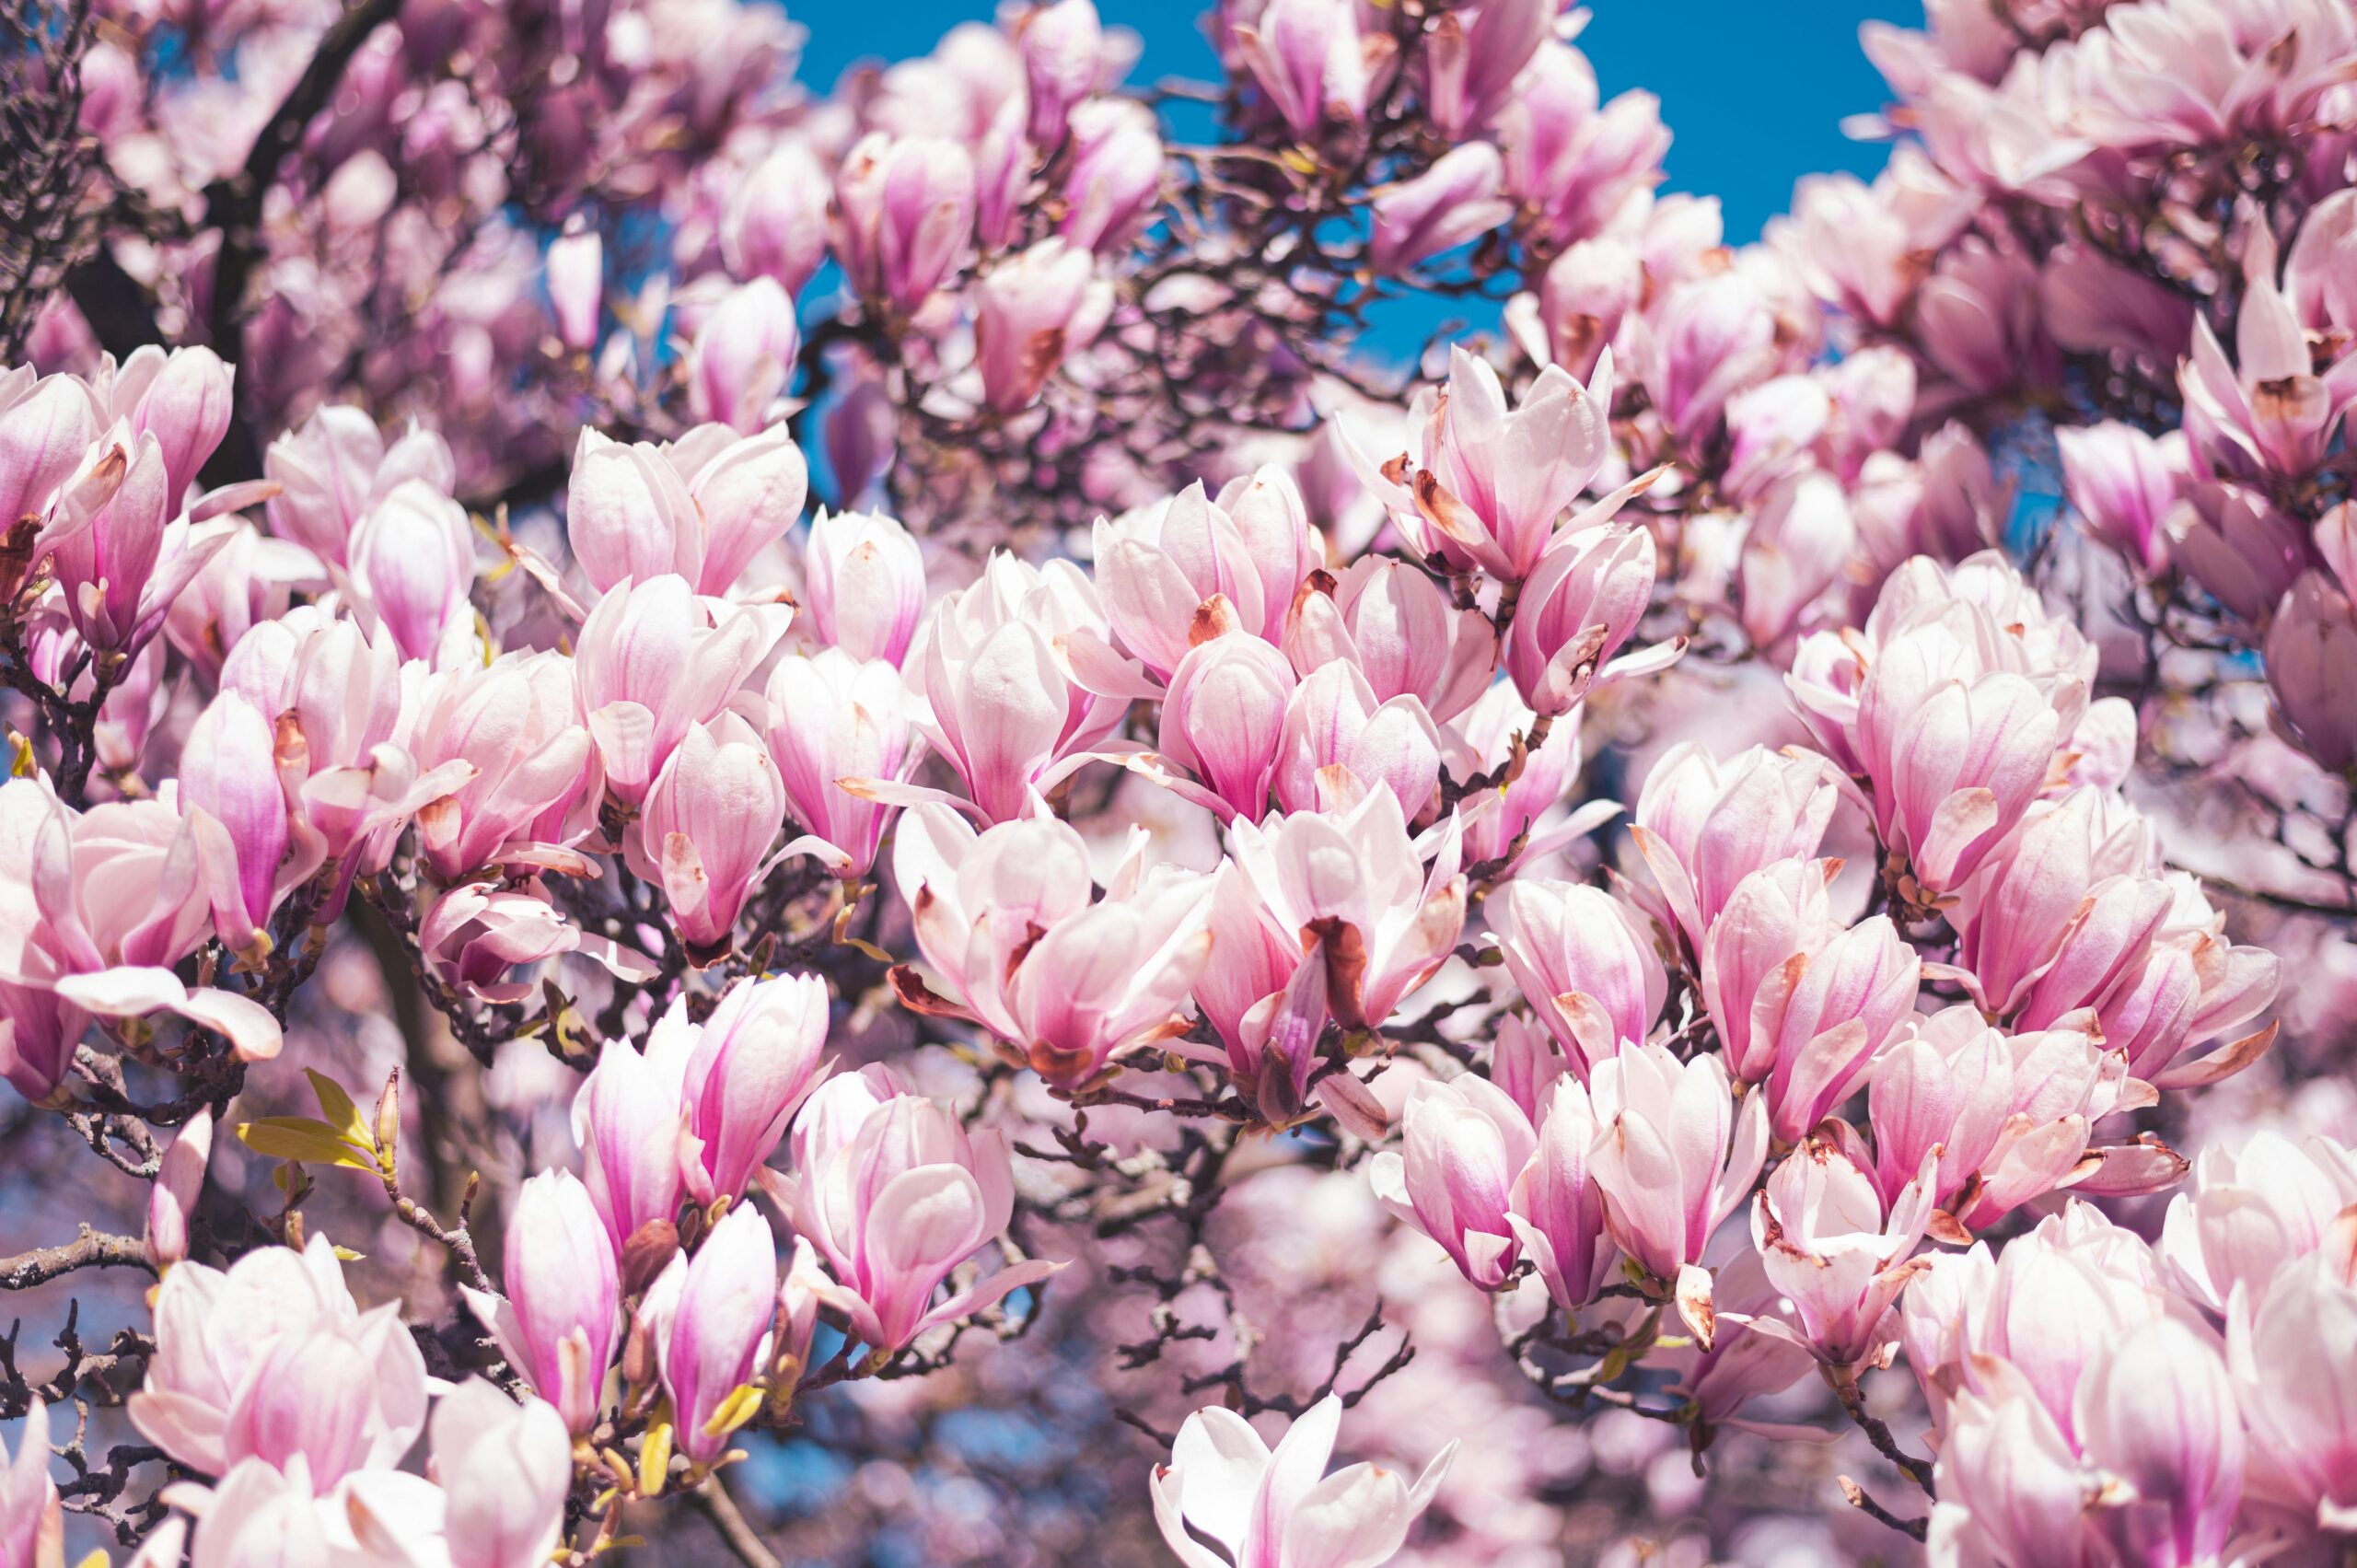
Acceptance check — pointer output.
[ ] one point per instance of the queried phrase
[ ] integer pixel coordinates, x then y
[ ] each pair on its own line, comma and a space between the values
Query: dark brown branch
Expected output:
1919, 1529
234, 205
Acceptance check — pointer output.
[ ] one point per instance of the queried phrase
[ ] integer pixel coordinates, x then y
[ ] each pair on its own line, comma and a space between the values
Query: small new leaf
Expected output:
300, 1139
341, 1114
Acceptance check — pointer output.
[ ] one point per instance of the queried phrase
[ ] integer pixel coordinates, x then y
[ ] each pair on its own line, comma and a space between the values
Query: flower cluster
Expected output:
931, 795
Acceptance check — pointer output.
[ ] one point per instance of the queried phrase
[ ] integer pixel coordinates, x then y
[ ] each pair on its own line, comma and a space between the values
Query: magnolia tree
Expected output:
786, 828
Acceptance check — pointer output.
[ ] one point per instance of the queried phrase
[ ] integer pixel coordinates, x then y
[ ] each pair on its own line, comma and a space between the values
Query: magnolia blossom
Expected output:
1271, 1507
869, 1158
699, 1110
705, 836
1676, 1157
556, 1323
1484, 486
710, 1316
654, 662
1353, 894
272, 1360
1584, 962
1005, 918
864, 574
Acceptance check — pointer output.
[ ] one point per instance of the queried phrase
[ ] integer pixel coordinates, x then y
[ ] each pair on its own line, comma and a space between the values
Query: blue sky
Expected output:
1753, 92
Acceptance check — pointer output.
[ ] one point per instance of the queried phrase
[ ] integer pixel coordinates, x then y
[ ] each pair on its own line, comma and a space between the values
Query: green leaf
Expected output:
341, 1114
300, 1139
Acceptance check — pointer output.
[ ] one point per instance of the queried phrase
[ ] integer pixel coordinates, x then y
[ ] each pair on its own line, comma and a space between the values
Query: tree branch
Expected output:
729, 1521
91, 1249
233, 205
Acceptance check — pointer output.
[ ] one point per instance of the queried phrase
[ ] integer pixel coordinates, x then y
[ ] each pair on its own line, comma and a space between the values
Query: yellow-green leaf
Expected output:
735, 1410
341, 1112
301, 1139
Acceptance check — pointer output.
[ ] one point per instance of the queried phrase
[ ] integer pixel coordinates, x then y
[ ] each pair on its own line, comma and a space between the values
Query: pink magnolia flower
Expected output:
1577, 168
1802, 539
1033, 310
556, 1324
123, 549
1267, 508
2124, 484
335, 467
47, 425
1338, 742
1578, 609
742, 359
1816, 1003
100, 905
231, 795
273, 1360
995, 664
1675, 1159
701, 508
334, 694
1313, 62
183, 399
711, 1315
2311, 660
1176, 573
2294, 1392
505, 1469
1828, 1243
705, 832
834, 719
1463, 1144
2239, 546
1227, 713
654, 662
1005, 919
1449, 204
1352, 892
2158, 1424
2268, 412
534, 778
2067, 860
1584, 961
2253, 1212
776, 223
477, 932
1474, 56
903, 215
576, 267
895, 1194
1956, 751
412, 565
32, 1516
178, 1182
1583, 298
1256, 964
1271, 1509
1704, 826
1062, 41
1484, 486
1394, 623
699, 1112
863, 574
1114, 176
1707, 339
2011, 1490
